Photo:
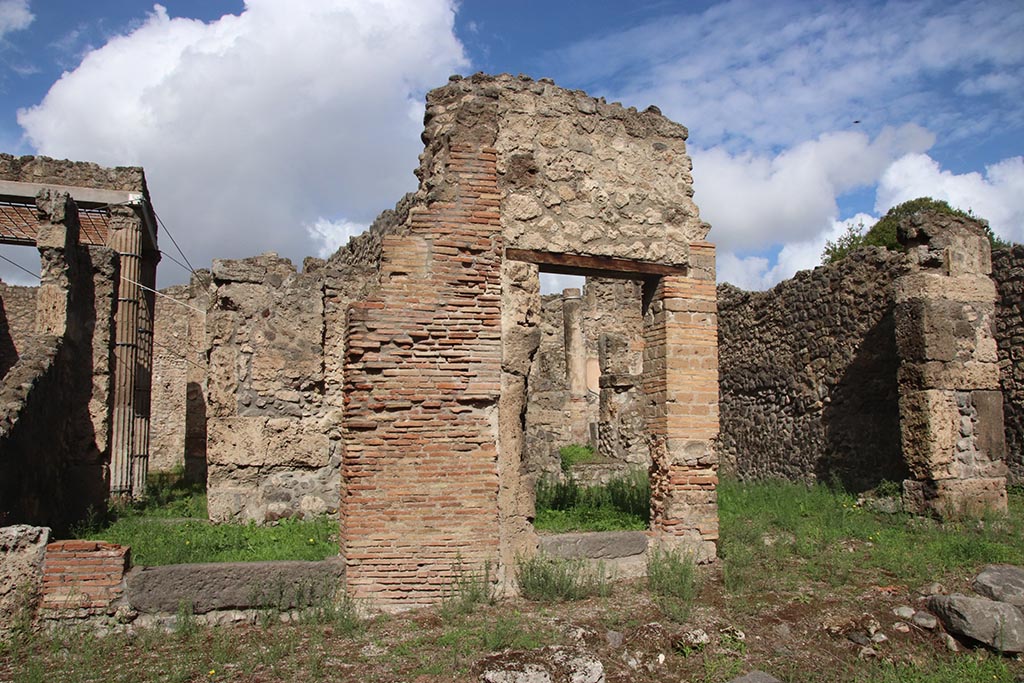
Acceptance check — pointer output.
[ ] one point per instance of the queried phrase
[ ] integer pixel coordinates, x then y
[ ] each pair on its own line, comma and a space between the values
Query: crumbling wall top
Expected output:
47, 171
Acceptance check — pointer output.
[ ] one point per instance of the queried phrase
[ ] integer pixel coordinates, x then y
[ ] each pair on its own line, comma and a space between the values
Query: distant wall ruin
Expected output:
56, 410
111, 210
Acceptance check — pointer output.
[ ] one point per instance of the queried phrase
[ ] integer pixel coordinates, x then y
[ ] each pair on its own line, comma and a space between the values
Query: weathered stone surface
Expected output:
595, 545
953, 437
234, 585
930, 424
997, 625
22, 550
1001, 582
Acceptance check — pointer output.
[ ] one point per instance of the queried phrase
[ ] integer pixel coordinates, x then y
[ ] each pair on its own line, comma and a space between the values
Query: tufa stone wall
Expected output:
56, 416
1008, 272
268, 455
808, 386
17, 322
178, 423
951, 407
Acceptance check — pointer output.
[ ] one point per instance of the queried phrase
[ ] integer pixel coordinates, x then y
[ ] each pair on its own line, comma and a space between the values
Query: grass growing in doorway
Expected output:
170, 527
622, 504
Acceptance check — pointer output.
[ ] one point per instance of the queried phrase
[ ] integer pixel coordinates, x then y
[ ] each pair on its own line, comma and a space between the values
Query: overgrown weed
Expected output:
772, 529
550, 579
672, 579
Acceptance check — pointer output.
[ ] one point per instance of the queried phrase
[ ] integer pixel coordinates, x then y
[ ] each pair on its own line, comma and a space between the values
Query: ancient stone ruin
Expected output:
76, 351
403, 361
416, 383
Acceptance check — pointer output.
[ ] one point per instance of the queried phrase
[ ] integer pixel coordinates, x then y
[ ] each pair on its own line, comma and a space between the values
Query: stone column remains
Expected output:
951, 410
575, 364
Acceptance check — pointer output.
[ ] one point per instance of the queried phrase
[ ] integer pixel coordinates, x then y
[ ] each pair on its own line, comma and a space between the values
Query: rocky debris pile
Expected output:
552, 664
994, 619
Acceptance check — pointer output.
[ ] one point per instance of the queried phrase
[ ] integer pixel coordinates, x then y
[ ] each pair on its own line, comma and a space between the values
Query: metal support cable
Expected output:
158, 293
18, 265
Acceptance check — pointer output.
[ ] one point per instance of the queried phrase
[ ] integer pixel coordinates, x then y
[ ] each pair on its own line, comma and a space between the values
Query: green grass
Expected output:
771, 529
170, 527
575, 453
620, 505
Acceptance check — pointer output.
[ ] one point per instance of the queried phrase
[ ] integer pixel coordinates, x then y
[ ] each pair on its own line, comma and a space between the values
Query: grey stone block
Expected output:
234, 585
598, 545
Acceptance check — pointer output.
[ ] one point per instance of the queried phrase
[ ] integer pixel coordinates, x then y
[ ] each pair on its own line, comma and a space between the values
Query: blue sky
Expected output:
284, 126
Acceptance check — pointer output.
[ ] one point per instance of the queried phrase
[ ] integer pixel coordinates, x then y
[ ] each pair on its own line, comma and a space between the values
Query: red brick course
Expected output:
83, 575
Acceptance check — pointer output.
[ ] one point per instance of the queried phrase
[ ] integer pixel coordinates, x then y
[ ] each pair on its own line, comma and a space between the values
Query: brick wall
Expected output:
83, 575
422, 380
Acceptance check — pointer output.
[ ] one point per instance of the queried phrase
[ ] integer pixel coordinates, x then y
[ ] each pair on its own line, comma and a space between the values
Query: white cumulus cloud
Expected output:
755, 201
997, 195
256, 128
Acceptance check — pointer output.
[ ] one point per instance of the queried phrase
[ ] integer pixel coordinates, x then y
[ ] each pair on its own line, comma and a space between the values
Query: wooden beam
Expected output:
86, 197
594, 266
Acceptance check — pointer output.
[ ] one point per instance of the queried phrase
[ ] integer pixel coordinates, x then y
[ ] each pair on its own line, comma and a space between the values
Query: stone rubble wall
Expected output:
17, 322
47, 171
1008, 272
583, 176
808, 375
56, 415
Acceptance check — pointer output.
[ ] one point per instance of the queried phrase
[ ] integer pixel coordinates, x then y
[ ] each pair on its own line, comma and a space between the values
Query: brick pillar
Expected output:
681, 386
951, 407
422, 380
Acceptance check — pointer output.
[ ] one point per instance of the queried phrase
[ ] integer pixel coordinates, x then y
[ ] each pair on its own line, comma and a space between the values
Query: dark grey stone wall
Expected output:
1008, 272
808, 375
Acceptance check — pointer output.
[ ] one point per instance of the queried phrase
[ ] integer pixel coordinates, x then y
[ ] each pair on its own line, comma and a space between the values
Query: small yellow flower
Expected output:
312, 541
188, 542
213, 671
